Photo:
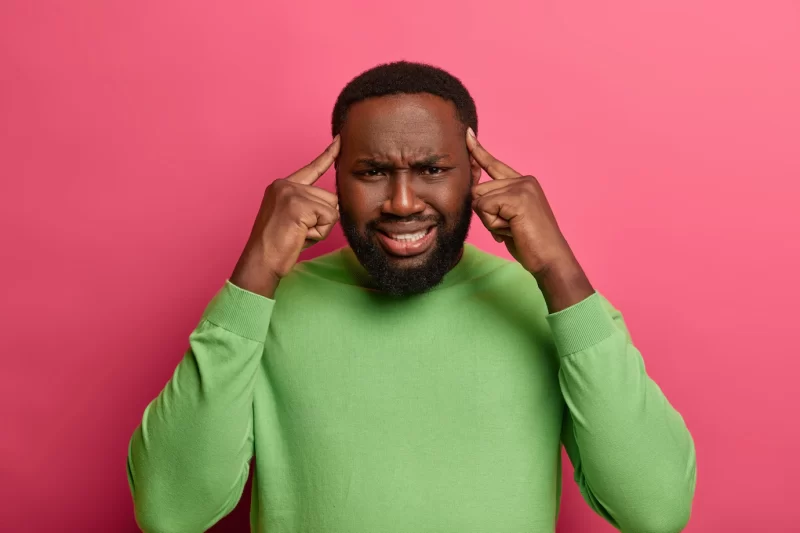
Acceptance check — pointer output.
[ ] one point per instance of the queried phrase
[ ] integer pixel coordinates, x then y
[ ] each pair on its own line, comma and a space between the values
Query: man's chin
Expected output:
406, 273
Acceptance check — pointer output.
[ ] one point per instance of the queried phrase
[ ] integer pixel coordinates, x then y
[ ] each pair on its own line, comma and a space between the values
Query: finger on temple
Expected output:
314, 170
494, 167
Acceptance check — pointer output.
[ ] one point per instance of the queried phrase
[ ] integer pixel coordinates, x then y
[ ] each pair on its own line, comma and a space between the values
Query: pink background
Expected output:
137, 138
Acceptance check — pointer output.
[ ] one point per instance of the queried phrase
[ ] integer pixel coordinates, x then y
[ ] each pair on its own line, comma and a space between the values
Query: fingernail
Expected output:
470, 132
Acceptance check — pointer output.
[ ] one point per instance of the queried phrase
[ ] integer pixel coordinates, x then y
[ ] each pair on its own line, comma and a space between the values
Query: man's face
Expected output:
404, 179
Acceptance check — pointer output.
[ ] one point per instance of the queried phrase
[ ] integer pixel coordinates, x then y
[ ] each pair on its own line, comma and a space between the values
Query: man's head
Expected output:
404, 174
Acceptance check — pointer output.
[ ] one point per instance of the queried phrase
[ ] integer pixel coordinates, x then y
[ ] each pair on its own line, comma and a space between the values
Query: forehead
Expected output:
402, 125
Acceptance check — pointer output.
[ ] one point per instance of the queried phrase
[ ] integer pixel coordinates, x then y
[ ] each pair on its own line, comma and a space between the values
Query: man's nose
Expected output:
402, 200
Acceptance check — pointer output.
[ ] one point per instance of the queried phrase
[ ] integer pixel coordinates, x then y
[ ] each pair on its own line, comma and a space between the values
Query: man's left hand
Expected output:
515, 210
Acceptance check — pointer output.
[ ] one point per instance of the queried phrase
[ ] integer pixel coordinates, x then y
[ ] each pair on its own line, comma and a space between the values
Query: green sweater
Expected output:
442, 412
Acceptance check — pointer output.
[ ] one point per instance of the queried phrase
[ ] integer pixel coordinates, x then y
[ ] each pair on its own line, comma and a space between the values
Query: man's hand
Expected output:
514, 209
293, 215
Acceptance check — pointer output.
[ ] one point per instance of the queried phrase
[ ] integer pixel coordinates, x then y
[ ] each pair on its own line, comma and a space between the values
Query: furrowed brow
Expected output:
429, 161
375, 164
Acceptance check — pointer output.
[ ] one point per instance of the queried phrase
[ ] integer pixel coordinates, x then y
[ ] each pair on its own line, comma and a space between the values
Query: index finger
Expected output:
314, 170
493, 166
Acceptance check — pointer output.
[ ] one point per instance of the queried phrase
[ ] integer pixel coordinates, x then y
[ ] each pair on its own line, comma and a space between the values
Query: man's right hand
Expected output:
293, 215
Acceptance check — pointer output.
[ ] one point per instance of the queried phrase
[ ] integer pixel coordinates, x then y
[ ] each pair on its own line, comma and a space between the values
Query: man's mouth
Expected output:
406, 242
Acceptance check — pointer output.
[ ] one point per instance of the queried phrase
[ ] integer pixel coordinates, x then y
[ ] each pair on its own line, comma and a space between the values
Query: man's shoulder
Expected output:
496, 278
327, 267
495, 269
481, 256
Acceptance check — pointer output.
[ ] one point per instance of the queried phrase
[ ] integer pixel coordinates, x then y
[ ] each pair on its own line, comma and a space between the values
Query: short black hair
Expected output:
404, 77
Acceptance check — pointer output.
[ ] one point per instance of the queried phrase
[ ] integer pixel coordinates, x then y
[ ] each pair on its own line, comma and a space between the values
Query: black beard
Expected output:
407, 281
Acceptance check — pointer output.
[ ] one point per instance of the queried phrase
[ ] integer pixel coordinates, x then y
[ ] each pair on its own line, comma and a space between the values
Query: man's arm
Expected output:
633, 456
188, 461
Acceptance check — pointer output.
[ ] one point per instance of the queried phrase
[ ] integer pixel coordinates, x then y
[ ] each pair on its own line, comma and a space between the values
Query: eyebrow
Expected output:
428, 161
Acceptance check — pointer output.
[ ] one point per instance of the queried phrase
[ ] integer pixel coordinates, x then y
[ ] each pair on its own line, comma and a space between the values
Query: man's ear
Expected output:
475, 170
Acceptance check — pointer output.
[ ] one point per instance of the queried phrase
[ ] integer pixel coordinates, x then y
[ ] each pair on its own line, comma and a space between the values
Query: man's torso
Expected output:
440, 412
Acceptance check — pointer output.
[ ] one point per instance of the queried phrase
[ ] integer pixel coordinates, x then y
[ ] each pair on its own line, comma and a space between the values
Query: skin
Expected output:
403, 162
293, 215
409, 156
514, 208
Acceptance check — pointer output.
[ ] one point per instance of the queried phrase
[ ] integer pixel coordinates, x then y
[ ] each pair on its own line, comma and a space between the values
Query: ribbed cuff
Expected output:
581, 326
241, 312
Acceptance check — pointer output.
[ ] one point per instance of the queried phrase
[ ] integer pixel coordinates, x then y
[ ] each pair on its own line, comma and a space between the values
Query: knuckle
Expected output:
279, 187
530, 184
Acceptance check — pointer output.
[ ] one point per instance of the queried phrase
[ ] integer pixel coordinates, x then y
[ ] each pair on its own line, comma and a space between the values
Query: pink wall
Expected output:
137, 138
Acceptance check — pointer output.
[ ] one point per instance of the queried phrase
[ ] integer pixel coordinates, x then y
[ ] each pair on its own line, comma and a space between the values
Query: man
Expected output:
409, 382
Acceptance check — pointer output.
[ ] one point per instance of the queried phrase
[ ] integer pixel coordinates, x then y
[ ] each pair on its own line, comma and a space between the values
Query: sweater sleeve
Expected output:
633, 456
188, 461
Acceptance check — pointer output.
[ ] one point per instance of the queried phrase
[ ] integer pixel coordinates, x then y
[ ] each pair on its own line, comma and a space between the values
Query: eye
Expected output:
371, 172
432, 171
